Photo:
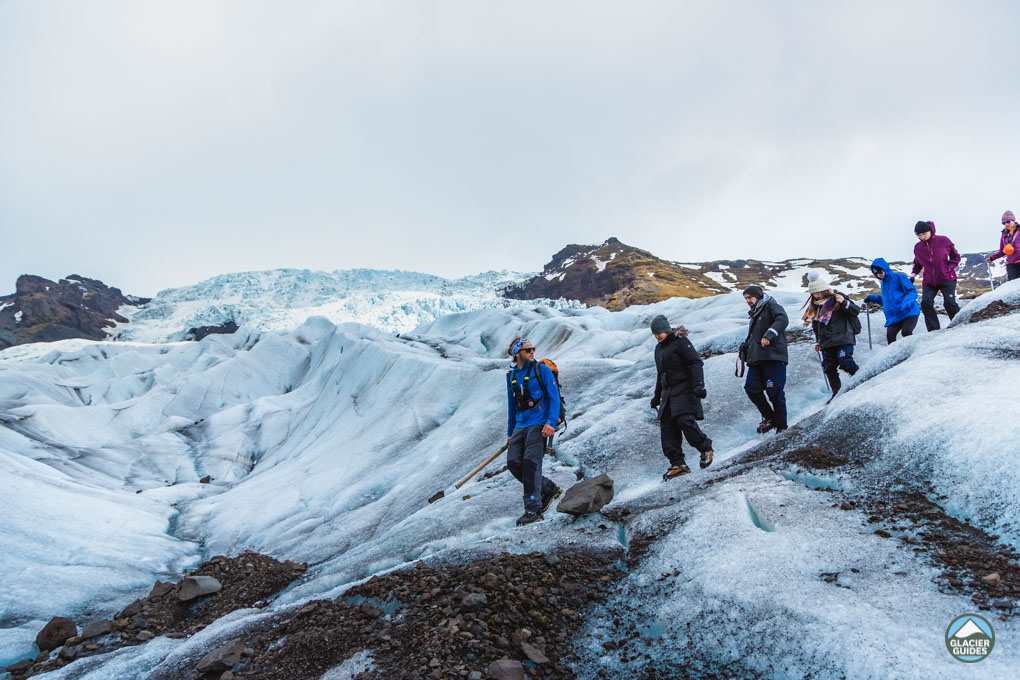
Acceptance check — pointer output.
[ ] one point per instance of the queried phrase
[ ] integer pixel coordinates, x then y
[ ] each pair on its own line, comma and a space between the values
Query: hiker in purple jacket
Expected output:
937, 256
1009, 246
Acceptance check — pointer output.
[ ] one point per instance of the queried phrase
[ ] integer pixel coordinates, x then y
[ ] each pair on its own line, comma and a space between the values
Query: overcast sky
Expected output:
154, 144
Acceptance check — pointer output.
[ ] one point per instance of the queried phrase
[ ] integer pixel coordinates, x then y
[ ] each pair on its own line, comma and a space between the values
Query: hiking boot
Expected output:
529, 518
764, 426
706, 458
676, 471
548, 499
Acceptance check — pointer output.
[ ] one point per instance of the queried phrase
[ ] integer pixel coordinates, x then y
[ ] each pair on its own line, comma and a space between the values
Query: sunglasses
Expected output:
529, 350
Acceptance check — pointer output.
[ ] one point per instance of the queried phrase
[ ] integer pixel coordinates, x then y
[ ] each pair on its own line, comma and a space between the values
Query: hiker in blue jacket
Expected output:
533, 414
898, 300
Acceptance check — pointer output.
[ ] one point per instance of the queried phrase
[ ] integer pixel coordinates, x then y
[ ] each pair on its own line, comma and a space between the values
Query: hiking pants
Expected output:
768, 378
670, 430
836, 358
1013, 271
524, 460
948, 290
906, 327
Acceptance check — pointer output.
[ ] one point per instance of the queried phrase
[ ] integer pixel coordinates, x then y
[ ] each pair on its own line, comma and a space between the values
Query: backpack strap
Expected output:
538, 376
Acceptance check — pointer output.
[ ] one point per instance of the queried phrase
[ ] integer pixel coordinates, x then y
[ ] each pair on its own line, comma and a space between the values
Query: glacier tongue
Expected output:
326, 441
281, 299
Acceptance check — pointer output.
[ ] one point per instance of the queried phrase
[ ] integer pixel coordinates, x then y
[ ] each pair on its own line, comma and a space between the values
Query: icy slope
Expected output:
326, 441
282, 299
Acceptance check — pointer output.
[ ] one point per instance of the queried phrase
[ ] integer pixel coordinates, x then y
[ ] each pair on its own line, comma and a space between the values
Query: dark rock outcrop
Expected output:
41, 310
196, 334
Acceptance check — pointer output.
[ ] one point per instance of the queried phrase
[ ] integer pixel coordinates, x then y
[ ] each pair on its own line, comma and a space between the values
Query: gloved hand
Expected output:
654, 403
913, 278
701, 393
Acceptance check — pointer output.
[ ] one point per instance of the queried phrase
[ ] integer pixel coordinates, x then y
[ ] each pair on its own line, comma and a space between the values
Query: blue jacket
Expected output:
546, 410
898, 298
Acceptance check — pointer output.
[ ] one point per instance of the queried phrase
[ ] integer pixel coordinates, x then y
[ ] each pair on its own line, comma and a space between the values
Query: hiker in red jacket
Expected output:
1009, 246
937, 256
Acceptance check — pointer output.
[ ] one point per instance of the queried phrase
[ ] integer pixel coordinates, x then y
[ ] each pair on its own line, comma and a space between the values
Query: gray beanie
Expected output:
660, 324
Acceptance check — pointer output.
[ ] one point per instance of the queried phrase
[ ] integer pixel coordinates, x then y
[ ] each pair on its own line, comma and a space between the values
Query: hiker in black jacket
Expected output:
833, 317
679, 389
764, 352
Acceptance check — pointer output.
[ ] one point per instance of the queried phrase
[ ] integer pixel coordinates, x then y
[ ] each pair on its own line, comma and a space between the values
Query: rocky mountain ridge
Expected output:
41, 310
615, 275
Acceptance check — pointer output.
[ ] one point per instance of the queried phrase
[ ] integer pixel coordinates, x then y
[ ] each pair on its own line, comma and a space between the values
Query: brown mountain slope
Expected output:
615, 275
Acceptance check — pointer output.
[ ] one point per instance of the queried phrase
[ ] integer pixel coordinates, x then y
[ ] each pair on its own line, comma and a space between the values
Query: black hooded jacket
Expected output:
680, 374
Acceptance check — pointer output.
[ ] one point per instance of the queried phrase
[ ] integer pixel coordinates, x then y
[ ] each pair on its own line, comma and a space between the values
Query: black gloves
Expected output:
654, 403
700, 393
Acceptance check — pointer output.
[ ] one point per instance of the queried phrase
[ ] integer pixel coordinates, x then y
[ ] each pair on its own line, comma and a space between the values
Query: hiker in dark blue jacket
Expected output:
898, 300
533, 414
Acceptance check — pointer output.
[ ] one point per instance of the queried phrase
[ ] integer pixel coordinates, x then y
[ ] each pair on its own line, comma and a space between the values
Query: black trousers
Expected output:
1013, 271
948, 290
672, 429
906, 326
524, 460
836, 358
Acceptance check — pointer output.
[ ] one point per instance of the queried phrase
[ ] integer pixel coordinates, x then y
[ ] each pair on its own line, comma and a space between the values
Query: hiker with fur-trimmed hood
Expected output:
764, 351
533, 414
833, 318
679, 389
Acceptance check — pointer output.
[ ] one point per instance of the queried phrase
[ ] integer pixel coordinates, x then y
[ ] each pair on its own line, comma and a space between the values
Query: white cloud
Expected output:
154, 144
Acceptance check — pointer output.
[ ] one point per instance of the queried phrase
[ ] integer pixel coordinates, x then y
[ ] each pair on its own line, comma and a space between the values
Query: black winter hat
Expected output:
660, 324
755, 292
922, 227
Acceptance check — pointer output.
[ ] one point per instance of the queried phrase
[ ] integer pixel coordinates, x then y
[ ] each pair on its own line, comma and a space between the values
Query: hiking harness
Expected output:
523, 399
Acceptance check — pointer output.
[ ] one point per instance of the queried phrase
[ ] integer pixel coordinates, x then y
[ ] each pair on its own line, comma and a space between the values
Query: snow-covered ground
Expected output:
326, 441
281, 299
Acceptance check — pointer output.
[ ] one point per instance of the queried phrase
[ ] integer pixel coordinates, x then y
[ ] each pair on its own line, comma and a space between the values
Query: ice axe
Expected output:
991, 279
464, 480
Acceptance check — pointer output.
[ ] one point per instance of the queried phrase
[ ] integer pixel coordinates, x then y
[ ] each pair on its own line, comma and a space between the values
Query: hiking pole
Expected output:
439, 494
825, 376
991, 279
867, 310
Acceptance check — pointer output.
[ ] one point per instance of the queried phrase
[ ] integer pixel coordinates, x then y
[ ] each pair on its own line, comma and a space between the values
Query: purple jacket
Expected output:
938, 257
1013, 238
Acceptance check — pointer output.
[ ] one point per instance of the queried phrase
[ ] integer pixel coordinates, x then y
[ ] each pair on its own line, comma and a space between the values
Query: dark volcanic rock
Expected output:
199, 332
247, 581
41, 310
415, 624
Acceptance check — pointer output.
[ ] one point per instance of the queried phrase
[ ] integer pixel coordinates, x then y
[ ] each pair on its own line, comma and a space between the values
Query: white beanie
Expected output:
817, 282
